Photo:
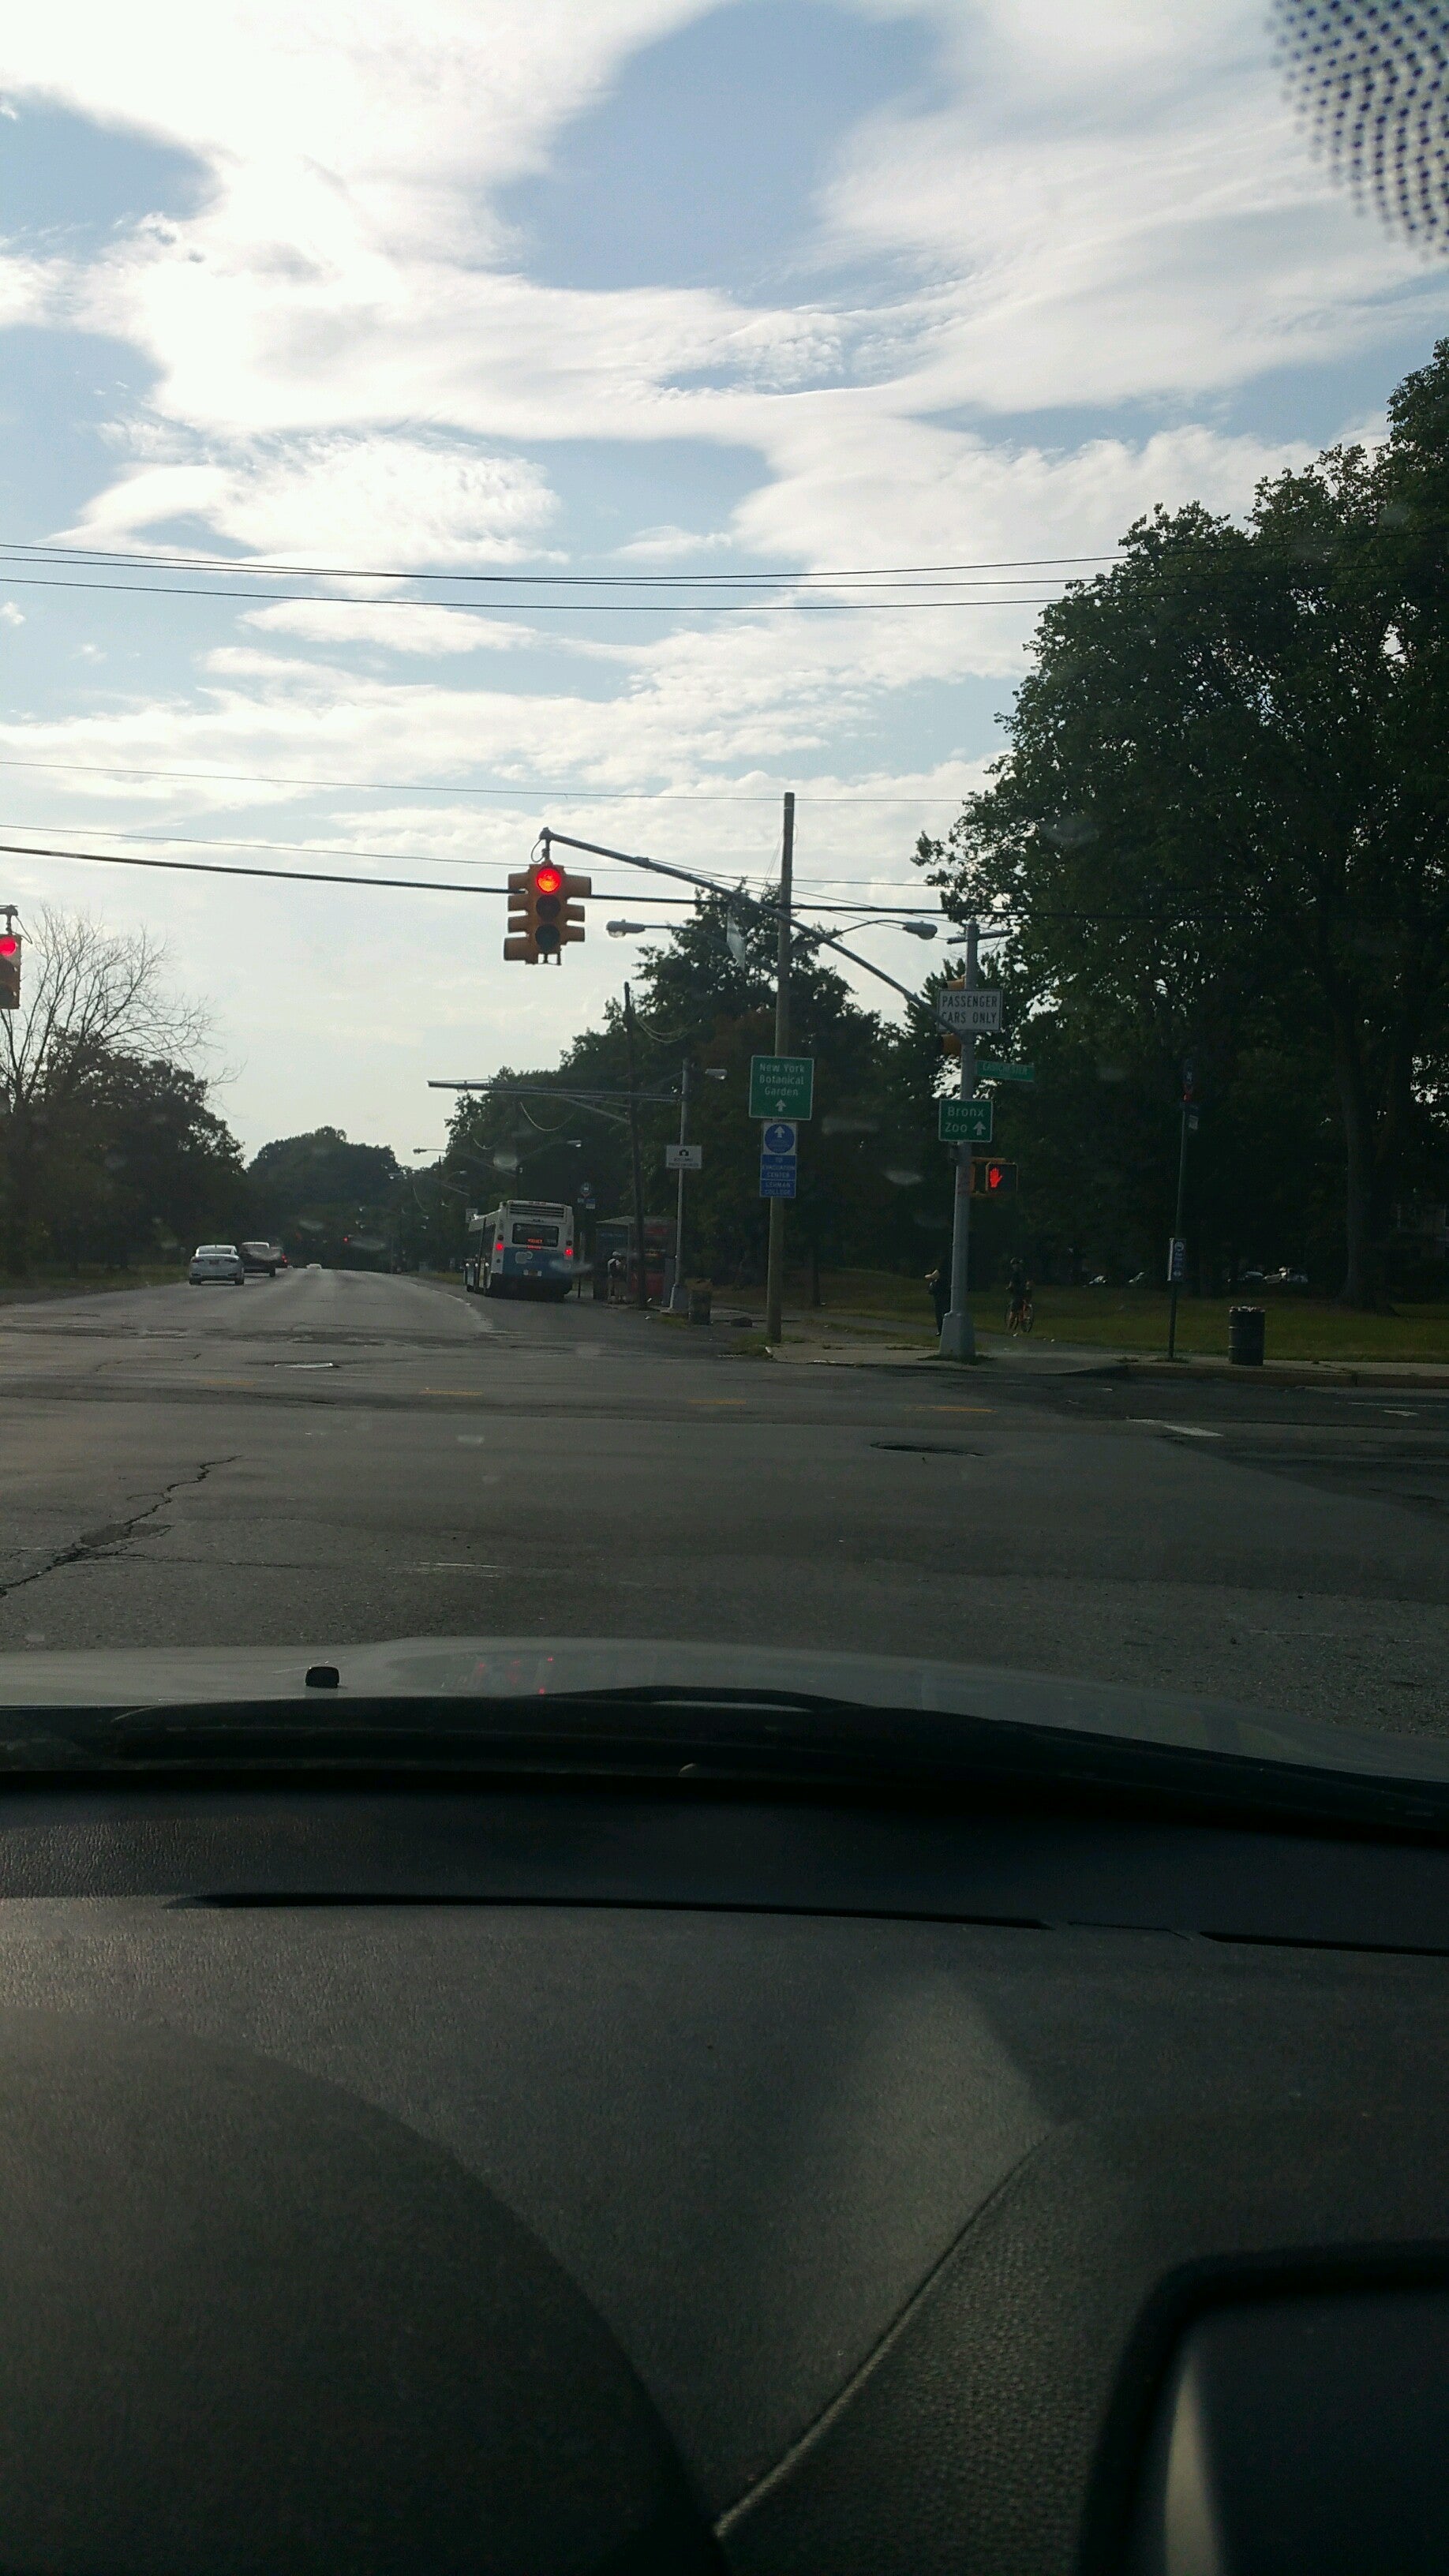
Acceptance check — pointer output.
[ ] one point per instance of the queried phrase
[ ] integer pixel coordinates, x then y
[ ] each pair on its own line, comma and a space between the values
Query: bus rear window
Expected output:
537, 1238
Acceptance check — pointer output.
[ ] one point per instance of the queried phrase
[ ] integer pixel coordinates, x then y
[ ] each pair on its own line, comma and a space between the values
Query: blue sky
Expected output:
600, 286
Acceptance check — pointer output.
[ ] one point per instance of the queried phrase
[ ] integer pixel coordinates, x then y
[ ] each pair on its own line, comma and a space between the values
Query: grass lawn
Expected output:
71, 1283
1135, 1319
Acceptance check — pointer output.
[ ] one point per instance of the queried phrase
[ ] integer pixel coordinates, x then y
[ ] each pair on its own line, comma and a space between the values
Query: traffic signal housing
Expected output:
545, 912
9, 970
950, 1043
993, 1180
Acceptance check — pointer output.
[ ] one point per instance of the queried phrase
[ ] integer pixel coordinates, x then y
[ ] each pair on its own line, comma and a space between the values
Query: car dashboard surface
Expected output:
544, 2177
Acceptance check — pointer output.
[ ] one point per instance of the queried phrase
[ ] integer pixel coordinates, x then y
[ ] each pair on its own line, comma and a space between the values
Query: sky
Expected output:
597, 289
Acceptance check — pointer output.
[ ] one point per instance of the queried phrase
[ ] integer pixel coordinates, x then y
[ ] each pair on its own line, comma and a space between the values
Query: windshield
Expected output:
805, 652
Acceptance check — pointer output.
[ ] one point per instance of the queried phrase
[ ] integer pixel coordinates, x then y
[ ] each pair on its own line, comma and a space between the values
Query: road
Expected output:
333, 1457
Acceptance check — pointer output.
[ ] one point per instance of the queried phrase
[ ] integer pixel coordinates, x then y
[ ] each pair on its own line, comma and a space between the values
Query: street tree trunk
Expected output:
1359, 1282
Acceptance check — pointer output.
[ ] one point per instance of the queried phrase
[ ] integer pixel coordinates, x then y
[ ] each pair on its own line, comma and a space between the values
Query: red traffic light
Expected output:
548, 880
9, 945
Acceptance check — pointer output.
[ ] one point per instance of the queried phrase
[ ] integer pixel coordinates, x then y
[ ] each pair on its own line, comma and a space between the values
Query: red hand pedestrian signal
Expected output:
992, 1180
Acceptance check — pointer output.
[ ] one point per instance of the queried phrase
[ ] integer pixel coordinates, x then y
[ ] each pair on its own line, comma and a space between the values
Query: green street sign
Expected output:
1006, 1072
965, 1122
782, 1086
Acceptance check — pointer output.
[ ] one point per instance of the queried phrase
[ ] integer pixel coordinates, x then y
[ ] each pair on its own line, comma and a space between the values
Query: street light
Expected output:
627, 929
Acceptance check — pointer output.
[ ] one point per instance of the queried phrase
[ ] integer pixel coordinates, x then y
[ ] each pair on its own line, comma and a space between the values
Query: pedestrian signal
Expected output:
993, 1180
9, 971
545, 912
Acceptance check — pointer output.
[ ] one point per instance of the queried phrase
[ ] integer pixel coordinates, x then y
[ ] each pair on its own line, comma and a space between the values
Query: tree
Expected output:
1223, 820
91, 999
311, 1192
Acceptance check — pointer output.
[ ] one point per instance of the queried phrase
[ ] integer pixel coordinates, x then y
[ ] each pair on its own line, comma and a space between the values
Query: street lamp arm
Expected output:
823, 939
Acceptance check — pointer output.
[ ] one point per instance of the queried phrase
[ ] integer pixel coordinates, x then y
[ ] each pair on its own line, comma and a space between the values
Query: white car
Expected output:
219, 1262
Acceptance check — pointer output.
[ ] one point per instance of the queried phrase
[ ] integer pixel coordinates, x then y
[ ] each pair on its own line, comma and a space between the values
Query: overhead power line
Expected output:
725, 886
532, 792
753, 607
264, 566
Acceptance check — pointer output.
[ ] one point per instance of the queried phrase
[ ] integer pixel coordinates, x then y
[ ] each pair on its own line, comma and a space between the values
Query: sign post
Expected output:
966, 1009
1177, 1256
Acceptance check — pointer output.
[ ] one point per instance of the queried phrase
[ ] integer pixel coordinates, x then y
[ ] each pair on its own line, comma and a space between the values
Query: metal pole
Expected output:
1177, 1235
641, 1293
775, 1271
958, 1333
679, 1294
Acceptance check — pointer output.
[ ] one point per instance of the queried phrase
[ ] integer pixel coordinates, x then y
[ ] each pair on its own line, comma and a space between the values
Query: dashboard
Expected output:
622, 2178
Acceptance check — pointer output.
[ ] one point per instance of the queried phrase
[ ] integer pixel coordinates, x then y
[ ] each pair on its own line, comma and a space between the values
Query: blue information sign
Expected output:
778, 1136
777, 1176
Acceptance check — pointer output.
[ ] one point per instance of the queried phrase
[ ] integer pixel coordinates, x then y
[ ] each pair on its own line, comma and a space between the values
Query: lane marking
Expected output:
1185, 1430
950, 1408
718, 1399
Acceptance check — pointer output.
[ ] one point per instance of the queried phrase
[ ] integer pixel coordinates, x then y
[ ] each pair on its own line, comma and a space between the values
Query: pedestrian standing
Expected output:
938, 1282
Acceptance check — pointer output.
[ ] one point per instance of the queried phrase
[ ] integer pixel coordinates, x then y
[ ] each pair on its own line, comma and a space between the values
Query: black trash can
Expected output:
1245, 1335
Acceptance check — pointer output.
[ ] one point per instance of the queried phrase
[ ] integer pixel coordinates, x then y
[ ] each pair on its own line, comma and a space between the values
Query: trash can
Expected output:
700, 1293
1245, 1335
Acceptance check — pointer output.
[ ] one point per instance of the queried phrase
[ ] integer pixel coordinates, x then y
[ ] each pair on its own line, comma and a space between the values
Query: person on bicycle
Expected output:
1018, 1292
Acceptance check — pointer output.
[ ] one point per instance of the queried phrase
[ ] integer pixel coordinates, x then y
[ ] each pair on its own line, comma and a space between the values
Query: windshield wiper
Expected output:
730, 1739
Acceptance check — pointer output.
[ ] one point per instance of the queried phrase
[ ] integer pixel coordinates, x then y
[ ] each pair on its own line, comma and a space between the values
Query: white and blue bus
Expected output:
523, 1248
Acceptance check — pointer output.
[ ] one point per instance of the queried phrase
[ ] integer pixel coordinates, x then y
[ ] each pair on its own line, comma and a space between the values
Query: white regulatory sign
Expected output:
684, 1158
969, 1011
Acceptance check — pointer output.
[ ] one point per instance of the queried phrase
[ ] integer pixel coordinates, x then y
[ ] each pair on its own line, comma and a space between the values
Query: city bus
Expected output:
523, 1248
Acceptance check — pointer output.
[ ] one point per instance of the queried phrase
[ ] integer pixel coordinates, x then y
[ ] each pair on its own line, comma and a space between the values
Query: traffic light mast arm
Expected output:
711, 885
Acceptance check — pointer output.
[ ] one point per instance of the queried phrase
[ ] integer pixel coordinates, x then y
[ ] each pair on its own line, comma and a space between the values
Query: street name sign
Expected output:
782, 1086
777, 1176
969, 1008
684, 1158
1004, 1072
965, 1122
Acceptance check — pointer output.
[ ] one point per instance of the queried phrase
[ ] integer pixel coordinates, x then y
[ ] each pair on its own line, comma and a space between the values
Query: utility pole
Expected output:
775, 1271
679, 1294
641, 1292
1177, 1256
958, 1333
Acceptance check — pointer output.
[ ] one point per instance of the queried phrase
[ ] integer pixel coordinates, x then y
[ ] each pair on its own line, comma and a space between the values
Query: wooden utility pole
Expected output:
775, 1271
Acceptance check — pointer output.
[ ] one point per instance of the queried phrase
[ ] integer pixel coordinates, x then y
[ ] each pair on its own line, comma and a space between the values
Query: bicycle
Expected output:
1020, 1318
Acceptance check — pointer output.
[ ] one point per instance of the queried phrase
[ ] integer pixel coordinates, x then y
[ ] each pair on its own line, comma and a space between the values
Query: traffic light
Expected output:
993, 1180
545, 912
9, 971
950, 1043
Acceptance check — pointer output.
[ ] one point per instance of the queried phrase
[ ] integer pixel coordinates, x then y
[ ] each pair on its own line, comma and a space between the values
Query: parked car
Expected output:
261, 1257
1286, 1279
217, 1264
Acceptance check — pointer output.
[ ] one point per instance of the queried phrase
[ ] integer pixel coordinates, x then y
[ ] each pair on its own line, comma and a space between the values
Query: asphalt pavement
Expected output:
334, 1457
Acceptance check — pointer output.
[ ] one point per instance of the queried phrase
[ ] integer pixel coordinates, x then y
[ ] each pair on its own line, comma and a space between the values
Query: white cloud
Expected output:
10, 615
339, 497
398, 629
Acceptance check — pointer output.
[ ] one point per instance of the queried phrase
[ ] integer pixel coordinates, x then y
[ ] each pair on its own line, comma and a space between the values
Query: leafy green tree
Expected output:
1222, 825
